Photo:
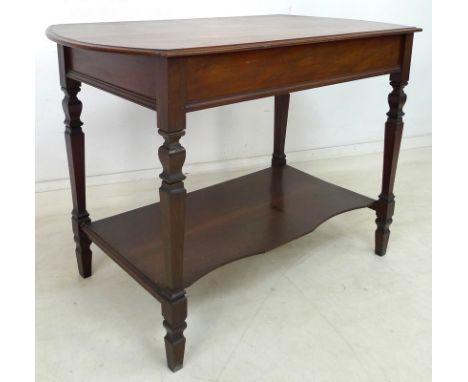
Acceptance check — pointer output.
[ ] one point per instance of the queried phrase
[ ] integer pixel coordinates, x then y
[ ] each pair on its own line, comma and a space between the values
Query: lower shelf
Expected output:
238, 218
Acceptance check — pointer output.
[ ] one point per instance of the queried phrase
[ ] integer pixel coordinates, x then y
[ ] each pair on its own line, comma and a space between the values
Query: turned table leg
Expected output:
281, 121
172, 200
393, 132
171, 126
75, 144
174, 311
385, 206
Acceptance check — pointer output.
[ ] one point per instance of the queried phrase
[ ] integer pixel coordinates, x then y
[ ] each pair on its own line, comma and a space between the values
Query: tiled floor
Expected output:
321, 308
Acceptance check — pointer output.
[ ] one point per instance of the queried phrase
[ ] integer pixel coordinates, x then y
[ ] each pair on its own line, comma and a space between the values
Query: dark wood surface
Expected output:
75, 145
214, 80
171, 121
129, 76
280, 126
329, 51
228, 221
230, 77
215, 35
179, 66
385, 207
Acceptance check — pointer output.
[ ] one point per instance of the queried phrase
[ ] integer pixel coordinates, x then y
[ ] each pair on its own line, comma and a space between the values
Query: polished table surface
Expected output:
180, 66
195, 36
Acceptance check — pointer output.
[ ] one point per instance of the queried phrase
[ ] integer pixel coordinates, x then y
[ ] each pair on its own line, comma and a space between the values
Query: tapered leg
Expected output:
172, 200
281, 121
174, 311
171, 125
393, 132
74, 139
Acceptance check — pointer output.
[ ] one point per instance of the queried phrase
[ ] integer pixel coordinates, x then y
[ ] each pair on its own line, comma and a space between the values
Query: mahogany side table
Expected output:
179, 66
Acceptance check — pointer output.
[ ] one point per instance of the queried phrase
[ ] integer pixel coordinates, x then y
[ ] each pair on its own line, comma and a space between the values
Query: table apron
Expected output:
218, 79
222, 79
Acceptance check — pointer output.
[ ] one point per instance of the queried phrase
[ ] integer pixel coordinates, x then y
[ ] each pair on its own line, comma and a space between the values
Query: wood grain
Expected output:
215, 35
226, 78
220, 79
121, 74
243, 217
280, 125
178, 66
75, 146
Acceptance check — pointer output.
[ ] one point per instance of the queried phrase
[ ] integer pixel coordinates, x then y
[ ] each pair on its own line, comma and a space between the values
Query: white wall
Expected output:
122, 137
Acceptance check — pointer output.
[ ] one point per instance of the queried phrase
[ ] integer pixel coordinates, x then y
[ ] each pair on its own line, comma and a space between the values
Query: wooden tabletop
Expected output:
213, 35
